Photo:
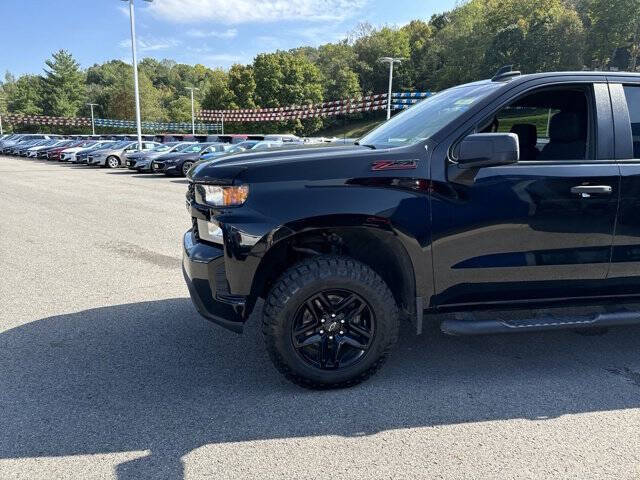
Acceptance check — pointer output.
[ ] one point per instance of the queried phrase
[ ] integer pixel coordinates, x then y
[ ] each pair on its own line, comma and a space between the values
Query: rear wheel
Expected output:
329, 322
186, 166
113, 162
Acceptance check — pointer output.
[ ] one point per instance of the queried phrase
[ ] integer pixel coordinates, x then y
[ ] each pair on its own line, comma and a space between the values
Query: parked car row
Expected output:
172, 158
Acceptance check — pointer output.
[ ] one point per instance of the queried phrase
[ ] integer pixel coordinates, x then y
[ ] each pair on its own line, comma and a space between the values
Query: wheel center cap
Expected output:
332, 327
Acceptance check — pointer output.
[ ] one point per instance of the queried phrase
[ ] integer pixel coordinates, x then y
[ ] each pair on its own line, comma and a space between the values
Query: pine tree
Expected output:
64, 85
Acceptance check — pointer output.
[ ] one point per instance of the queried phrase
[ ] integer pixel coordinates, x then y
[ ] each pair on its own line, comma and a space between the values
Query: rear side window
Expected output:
632, 93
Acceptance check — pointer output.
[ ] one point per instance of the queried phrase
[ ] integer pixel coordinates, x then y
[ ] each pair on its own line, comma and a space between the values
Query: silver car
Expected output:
114, 156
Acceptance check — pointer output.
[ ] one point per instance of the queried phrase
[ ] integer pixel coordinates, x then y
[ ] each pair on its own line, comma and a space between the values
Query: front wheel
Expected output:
186, 166
113, 162
329, 322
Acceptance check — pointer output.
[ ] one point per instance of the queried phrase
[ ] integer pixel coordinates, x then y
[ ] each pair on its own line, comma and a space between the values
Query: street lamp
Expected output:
1, 132
135, 69
193, 112
390, 61
93, 125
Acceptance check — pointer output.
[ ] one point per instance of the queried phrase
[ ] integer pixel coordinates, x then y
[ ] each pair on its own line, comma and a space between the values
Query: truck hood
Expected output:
288, 163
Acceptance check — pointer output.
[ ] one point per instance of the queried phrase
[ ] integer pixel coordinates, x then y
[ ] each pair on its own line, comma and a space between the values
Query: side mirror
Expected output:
488, 149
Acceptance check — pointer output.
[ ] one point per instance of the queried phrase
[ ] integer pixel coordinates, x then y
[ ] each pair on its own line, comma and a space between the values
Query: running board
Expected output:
540, 323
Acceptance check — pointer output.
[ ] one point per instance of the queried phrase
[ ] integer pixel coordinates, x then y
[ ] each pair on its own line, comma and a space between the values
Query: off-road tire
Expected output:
305, 279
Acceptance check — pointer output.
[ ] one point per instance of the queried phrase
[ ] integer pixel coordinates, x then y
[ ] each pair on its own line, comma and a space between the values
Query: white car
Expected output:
114, 156
69, 155
33, 151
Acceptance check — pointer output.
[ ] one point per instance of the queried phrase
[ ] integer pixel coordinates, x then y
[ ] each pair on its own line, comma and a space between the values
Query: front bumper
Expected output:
139, 165
204, 271
165, 167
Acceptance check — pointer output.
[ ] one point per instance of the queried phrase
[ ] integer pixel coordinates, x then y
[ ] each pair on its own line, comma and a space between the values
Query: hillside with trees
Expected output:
468, 43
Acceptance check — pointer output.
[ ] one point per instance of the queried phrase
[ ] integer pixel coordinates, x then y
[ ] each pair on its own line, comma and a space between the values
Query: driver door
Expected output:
537, 229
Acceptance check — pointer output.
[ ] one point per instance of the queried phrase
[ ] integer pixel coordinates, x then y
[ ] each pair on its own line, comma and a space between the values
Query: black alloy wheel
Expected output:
333, 329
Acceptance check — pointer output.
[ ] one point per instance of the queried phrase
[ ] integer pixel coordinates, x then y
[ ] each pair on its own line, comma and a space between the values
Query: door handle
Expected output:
587, 190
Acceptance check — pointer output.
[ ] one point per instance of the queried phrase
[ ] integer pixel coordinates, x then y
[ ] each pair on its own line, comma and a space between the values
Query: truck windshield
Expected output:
427, 117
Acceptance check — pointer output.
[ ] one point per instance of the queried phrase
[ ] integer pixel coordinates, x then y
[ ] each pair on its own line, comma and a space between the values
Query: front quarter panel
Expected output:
325, 191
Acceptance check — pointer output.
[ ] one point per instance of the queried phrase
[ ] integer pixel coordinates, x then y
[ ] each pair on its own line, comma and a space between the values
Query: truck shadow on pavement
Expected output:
155, 376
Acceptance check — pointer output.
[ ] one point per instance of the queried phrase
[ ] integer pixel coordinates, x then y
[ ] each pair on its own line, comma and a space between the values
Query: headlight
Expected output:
218, 196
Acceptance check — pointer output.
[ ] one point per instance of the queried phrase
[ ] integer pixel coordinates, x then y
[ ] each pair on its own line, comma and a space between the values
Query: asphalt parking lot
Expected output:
107, 371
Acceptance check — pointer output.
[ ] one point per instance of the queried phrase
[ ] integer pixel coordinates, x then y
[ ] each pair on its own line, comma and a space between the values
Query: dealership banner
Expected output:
370, 103
399, 101
101, 122
14, 118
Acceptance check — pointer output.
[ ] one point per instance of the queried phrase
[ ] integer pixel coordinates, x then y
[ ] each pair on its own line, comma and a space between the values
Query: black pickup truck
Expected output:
509, 205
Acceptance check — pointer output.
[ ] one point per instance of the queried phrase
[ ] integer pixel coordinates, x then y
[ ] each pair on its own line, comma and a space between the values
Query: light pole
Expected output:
1, 132
135, 69
93, 125
390, 61
193, 112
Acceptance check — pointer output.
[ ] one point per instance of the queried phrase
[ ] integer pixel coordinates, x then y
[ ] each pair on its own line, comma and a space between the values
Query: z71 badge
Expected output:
394, 165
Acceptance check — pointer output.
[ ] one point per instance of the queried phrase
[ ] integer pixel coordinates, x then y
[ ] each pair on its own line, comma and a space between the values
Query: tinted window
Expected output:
551, 124
633, 101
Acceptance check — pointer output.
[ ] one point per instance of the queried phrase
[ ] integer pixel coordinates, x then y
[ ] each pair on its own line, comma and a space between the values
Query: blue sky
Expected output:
216, 33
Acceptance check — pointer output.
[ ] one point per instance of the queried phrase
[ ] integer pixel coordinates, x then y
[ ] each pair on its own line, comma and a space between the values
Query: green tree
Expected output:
285, 78
385, 42
25, 95
613, 24
482, 35
63, 85
243, 85
336, 62
120, 99
218, 95
179, 110
417, 66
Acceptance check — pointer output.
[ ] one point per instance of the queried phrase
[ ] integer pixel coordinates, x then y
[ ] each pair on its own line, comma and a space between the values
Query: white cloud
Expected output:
225, 34
151, 44
243, 11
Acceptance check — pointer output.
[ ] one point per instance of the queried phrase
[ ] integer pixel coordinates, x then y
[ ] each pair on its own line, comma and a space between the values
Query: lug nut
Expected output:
333, 315
321, 332
322, 321
341, 332
341, 321
330, 338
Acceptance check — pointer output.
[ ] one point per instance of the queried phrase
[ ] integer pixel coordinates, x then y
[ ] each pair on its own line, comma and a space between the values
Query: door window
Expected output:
632, 93
551, 124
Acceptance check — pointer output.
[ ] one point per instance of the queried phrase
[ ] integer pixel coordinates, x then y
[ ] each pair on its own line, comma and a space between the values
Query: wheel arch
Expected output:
372, 242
